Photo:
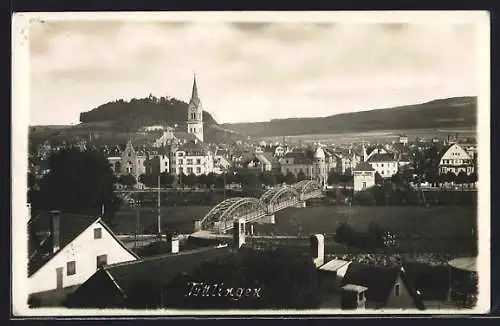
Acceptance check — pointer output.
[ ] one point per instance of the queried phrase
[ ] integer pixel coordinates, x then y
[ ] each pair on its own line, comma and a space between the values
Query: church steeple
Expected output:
194, 95
195, 113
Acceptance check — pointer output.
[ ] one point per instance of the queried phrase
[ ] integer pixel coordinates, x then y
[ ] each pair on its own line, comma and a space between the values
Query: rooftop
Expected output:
333, 265
354, 287
363, 166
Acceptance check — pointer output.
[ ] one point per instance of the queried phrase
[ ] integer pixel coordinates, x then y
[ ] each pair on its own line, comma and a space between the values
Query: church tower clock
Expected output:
195, 114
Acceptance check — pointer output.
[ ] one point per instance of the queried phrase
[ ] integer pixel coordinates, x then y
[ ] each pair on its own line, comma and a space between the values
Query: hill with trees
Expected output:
131, 115
118, 121
444, 113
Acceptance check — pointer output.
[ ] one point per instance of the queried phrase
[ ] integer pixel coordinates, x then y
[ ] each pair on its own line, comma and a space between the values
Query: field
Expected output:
180, 219
433, 229
375, 136
422, 229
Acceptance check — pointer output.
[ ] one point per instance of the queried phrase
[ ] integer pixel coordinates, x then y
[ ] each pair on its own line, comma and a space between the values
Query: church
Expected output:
175, 151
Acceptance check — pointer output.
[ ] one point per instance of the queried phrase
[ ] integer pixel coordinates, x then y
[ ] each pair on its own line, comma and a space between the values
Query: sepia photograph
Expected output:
250, 163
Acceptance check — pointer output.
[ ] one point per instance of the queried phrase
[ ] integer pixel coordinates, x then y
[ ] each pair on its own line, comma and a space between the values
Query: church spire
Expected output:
194, 94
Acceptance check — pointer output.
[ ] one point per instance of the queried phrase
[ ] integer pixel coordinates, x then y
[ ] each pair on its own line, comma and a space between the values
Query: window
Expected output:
198, 170
198, 161
102, 260
396, 290
172, 170
364, 184
97, 233
189, 161
189, 170
180, 162
71, 268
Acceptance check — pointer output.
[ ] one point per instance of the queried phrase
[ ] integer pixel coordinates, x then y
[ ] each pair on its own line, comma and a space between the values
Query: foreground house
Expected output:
66, 249
382, 287
352, 285
130, 284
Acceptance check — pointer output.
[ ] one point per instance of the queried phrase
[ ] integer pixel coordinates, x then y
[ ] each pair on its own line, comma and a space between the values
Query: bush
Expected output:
363, 198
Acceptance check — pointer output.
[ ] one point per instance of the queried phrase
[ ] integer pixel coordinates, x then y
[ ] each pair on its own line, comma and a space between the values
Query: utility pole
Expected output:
159, 213
136, 224
224, 190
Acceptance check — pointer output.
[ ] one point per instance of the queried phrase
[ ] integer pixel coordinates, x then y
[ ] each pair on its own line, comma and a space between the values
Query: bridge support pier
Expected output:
267, 219
197, 226
300, 204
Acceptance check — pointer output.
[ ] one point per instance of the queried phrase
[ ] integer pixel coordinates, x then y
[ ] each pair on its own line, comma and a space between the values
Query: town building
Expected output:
314, 165
403, 139
262, 162
192, 158
382, 162
453, 158
363, 177
67, 249
132, 162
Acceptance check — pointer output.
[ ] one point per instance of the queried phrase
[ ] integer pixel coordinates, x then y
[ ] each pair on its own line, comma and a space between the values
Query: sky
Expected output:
248, 71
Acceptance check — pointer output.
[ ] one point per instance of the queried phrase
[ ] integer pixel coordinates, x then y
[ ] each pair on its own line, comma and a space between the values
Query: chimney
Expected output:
239, 233
55, 229
318, 249
173, 243
353, 297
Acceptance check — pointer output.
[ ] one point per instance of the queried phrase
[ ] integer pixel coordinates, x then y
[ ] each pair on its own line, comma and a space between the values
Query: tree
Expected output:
220, 181
190, 179
251, 180
78, 182
450, 177
473, 177
462, 177
396, 178
127, 180
211, 180
166, 179
201, 180
267, 178
301, 176
290, 178
146, 179
279, 177
333, 177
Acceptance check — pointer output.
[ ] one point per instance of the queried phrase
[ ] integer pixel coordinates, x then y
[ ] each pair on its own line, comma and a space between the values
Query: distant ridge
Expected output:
442, 113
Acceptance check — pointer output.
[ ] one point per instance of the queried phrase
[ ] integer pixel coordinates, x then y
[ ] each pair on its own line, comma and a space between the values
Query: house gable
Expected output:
83, 251
454, 152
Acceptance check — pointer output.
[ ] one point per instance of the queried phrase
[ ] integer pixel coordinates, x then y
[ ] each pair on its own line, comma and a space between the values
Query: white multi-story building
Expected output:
192, 158
382, 162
